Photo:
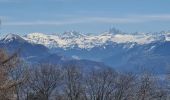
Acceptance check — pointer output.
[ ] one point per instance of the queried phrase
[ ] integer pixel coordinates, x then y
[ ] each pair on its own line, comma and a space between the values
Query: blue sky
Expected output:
87, 16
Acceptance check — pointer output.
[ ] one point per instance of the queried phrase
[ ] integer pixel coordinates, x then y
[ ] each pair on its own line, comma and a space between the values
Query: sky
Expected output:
86, 16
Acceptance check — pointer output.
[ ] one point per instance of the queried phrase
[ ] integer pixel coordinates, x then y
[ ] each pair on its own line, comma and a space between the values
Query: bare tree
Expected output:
73, 83
146, 87
44, 80
100, 84
7, 83
20, 72
124, 86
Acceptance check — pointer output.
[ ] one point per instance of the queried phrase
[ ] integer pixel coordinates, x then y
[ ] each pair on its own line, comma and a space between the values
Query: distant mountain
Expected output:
13, 42
69, 40
37, 53
122, 51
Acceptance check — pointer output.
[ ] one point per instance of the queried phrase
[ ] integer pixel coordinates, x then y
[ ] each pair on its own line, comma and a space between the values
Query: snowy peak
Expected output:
72, 34
36, 34
12, 37
77, 40
40, 38
167, 36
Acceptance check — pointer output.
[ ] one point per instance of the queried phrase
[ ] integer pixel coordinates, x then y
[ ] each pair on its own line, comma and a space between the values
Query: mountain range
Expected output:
122, 51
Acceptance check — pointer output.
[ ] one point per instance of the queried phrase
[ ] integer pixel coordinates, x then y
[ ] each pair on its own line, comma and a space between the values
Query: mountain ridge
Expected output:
83, 41
119, 55
36, 53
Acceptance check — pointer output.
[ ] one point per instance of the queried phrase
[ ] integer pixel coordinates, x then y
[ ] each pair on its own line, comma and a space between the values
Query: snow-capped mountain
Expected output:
37, 53
148, 50
83, 41
12, 37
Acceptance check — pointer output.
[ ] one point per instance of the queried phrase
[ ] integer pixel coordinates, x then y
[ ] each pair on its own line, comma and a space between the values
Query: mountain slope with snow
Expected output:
82, 41
37, 53
120, 51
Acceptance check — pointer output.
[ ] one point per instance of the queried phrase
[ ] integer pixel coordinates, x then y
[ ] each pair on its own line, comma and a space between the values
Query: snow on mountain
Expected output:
150, 50
167, 36
75, 39
68, 35
12, 37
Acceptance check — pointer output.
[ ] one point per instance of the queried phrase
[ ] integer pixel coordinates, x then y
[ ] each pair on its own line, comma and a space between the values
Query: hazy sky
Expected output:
94, 16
